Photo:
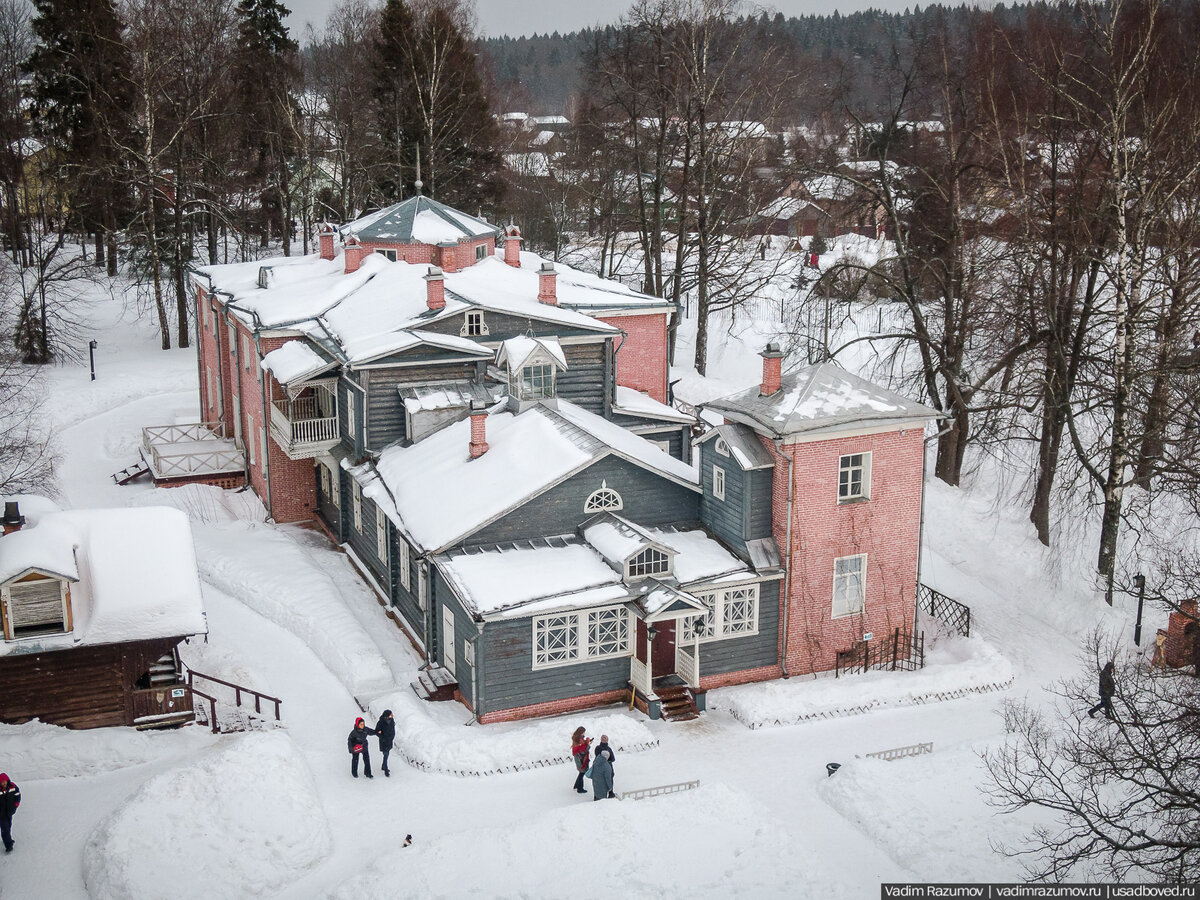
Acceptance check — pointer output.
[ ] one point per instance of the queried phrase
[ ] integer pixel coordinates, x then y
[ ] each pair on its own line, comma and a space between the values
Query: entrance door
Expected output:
662, 653
448, 639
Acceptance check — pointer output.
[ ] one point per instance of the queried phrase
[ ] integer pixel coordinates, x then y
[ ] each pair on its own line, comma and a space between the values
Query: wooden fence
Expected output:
901, 650
956, 615
901, 752
661, 789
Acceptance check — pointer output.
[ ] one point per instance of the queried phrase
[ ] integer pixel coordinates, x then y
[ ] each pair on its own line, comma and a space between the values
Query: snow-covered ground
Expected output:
115, 813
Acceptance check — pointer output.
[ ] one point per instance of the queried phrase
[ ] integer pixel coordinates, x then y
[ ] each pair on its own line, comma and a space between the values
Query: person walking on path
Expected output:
581, 754
10, 799
1108, 687
386, 729
357, 744
602, 773
603, 747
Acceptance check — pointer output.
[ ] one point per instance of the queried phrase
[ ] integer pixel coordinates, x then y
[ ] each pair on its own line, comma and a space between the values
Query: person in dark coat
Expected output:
356, 743
602, 774
10, 799
603, 747
386, 729
1108, 687
581, 754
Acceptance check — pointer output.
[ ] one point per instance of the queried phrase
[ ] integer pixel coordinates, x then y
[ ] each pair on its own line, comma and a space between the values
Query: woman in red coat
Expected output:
582, 754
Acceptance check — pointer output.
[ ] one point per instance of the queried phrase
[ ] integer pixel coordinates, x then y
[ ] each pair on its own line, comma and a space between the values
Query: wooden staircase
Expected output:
678, 704
131, 473
435, 684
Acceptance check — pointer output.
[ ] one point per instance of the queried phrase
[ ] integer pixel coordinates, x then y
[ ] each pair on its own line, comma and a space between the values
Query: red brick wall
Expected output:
570, 704
642, 358
745, 676
886, 527
449, 258
1177, 650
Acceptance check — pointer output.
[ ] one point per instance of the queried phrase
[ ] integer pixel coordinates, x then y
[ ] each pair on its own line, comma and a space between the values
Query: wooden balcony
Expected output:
306, 425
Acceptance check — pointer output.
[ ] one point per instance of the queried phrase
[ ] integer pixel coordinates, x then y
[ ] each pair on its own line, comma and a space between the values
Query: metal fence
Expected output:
956, 615
899, 651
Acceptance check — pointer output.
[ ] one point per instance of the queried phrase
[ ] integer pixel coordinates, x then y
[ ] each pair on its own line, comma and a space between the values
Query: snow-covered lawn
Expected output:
111, 813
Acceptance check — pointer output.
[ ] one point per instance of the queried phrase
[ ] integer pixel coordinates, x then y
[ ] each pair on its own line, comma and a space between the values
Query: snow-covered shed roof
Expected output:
419, 220
446, 395
616, 538
818, 399
48, 548
635, 403
743, 444
438, 495
295, 361
136, 571
517, 351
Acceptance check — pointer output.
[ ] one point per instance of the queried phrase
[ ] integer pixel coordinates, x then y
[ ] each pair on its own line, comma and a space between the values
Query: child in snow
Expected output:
581, 753
10, 799
386, 729
357, 744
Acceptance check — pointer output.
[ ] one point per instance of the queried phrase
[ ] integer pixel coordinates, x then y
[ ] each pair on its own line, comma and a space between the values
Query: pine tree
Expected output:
80, 106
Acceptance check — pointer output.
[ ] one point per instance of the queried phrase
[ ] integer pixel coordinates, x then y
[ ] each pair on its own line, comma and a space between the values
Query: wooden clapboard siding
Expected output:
385, 410
735, 654
649, 499
583, 382
346, 395
330, 514
84, 687
502, 326
745, 513
405, 599
465, 630
363, 543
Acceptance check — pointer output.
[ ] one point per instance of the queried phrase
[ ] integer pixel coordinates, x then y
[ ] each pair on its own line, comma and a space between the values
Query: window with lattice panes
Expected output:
473, 325
849, 585
701, 626
650, 561
555, 640
604, 499
729, 613
854, 476
722, 446
533, 382
608, 632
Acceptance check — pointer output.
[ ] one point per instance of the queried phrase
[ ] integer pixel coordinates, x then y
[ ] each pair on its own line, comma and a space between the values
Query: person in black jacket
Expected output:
357, 744
10, 799
386, 729
1108, 687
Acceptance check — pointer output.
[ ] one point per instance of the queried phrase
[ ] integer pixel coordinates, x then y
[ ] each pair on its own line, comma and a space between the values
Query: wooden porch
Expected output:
189, 452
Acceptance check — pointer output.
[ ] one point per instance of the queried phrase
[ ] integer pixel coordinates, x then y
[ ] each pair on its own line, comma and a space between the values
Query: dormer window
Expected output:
532, 382
722, 447
473, 325
35, 607
532, 363
650, 561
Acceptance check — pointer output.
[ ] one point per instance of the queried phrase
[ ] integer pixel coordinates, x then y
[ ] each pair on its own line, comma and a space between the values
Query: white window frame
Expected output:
402, 562
351, 419
480, 252
246, 354
356, 505
326, 479
381, 535
389, 255
646, 571
720, 623
577, 631
253, 437
518, 388
839, 579
603, 499
722, 446
6, 598
718, 482
474, 325
846, 465
335, 487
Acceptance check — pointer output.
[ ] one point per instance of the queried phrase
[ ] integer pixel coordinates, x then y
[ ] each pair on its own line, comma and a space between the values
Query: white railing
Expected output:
298, 429
174, 434
169, 457
902, 752
639, 675
661, 789
687, 665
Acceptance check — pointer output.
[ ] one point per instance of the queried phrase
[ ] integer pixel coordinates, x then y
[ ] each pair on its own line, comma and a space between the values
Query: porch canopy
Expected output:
295, 363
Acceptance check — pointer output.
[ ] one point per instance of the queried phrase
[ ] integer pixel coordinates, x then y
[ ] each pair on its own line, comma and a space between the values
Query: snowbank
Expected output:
244, 821
954, 667
434, 746
36, 750
710, 842
275, 577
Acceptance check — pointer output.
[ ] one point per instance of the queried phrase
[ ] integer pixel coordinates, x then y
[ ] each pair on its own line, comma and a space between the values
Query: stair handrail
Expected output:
259, 696
212, 707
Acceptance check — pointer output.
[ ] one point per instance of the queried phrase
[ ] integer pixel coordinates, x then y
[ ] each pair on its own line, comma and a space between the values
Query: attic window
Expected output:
722, 446
603, 500
650, 561
389, 254
532, 382
473, 325
35, 607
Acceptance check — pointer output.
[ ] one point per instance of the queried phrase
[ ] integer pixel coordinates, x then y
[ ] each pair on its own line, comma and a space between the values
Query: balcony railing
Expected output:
179, 451
307, 425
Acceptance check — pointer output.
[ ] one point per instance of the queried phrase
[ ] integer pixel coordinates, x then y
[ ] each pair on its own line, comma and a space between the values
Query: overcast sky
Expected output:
521, 17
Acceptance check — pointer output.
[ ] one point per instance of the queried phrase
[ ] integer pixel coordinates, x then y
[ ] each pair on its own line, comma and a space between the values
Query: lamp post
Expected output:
1140, 581
92, 357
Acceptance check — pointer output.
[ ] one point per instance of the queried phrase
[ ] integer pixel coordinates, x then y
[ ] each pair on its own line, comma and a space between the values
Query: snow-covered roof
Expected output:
818, 399
518, 350
136, 571
295, 361
438, 495
786, 208
635, 403
743, 445
616, 538
447, 395
48, 548
419, 220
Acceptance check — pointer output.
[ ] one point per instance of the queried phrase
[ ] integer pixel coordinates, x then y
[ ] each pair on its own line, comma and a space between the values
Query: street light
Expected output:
1140, 581
92, 357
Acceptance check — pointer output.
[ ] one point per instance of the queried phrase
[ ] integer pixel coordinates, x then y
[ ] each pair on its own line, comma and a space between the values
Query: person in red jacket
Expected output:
356, 743
581, 753
10, 799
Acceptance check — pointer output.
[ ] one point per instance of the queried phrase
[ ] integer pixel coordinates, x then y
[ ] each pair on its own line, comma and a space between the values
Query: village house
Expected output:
487, 435
93, 604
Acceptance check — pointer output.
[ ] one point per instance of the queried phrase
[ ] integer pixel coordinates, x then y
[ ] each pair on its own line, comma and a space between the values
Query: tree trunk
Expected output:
100, 248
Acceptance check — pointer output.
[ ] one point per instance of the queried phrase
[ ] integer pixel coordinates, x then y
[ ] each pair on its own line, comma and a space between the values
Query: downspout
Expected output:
921, 524
787, 572
262, 396
266, 411
475, 679
200, 380
612, 400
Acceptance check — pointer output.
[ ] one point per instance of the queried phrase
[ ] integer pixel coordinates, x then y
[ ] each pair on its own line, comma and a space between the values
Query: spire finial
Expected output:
418, 183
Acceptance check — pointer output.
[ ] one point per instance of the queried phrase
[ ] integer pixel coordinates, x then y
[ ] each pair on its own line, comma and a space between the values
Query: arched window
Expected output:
603, 500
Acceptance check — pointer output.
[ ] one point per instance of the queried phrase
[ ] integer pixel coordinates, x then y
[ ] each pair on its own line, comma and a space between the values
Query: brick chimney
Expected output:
772, 369
1177, 649
479, 415
355, 254
547, 279
13, 520
435, 289
512, 246
325, 239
